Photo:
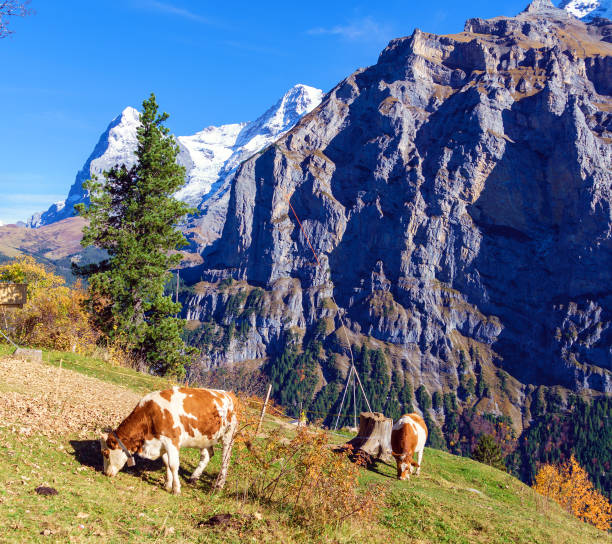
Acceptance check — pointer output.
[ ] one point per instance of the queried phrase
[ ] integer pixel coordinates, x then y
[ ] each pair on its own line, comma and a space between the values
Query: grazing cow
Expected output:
408, 438
165, 421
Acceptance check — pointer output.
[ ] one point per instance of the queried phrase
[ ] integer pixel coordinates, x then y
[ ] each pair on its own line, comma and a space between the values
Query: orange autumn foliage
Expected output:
568, 484
53, 316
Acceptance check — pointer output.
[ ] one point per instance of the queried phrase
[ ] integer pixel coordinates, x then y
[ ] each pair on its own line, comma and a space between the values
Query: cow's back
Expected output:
188, 416
409, 434
206, 415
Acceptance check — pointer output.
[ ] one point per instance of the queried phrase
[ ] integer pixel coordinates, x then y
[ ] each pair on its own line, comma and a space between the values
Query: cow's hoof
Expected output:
193, 481
176, 491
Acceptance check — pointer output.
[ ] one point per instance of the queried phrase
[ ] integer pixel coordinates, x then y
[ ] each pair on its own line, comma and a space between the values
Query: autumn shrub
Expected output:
568, 484
240, 379
53, 316
302, 476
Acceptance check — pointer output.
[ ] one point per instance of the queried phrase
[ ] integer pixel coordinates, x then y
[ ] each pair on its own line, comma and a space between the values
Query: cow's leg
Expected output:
228, 441
168, 485
204, 458
419, 459
173, 464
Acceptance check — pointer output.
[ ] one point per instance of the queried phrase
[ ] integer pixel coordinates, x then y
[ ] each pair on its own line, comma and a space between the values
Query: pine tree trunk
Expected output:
373, 441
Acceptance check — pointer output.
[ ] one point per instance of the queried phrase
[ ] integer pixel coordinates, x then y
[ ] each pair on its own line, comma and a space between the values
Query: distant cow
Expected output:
408, 438
165, 421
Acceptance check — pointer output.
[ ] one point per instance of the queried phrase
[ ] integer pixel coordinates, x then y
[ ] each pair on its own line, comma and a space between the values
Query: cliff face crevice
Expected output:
460, 186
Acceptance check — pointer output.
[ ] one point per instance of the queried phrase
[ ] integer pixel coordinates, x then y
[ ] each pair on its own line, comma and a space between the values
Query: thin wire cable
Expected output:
5, 336
348, 380
338, 312
354, 406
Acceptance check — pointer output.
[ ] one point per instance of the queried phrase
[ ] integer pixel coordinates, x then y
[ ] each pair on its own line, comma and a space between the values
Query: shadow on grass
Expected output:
87, 453
375, 468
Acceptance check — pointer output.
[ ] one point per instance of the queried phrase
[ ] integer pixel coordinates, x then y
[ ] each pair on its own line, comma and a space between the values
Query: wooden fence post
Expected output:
263, 410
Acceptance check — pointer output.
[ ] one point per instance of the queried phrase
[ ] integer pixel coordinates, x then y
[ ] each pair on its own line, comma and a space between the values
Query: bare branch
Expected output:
11, 8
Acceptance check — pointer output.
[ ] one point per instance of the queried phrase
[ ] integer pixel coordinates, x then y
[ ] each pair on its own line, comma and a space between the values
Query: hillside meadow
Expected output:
50, 420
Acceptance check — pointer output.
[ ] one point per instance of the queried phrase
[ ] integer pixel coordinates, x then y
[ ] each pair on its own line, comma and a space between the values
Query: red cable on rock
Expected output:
303, 232
352, 369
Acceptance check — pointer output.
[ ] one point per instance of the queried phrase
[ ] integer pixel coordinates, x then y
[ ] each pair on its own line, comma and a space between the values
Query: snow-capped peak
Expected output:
212, 154
587, 10
208, 156
296, 102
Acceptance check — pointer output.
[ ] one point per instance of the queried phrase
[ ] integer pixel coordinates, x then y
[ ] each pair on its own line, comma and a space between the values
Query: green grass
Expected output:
100, 369
454, 500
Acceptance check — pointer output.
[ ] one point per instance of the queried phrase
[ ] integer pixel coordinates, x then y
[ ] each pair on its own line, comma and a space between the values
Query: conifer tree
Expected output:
488, 451
133, 216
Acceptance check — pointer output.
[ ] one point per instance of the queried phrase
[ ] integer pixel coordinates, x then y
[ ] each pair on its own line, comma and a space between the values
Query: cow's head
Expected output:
112, 455
404, 466
403, 470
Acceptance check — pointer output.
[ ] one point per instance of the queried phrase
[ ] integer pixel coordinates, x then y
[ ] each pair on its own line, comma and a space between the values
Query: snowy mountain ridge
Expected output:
208, 156
587, 10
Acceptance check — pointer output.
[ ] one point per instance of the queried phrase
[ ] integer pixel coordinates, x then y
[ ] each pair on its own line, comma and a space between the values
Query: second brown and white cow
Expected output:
165, 421
408, 438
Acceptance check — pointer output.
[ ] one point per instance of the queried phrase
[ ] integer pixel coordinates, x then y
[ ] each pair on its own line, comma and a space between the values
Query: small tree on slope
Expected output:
568, 484
488, 451
133, 216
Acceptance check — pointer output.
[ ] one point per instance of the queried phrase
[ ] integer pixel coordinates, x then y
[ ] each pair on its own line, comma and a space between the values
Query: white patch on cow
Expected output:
169, 451
401, 422
421, 435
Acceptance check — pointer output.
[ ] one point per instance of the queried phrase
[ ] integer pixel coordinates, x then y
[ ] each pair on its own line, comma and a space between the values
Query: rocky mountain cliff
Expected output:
458, 194
209, 156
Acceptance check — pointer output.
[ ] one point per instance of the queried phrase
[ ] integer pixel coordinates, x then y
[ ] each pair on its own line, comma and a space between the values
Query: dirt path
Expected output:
40, 399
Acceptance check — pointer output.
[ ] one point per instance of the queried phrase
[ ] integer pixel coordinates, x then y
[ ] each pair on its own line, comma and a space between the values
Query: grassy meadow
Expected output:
454, 500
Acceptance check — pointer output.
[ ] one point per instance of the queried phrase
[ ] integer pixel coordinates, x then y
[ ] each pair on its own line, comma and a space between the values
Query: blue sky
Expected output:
68, 70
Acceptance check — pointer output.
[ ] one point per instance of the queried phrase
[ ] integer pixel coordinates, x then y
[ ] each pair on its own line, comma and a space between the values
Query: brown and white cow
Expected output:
165, 421
408, 438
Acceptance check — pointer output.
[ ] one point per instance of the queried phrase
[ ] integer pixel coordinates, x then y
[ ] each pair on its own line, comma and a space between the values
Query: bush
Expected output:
568, 484
239, 379
303, 476
53, 316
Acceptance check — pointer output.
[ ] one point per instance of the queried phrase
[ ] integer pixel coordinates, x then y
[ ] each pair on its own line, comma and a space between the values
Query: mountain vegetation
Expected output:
569, 485
54, 315
51, 441
457, 194
133, 217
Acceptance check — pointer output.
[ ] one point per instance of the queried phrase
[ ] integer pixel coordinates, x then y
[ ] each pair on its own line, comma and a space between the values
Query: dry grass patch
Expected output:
36, 398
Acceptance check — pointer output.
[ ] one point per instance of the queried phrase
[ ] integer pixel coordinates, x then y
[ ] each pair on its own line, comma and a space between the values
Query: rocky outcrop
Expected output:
458, 194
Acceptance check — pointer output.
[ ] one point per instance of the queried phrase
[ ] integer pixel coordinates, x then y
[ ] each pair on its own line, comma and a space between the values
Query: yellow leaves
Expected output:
53, 316
568, 484
302, 473
25, 269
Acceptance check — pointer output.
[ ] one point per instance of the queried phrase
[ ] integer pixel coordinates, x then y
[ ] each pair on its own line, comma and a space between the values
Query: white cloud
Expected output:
365, 28
171, 9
